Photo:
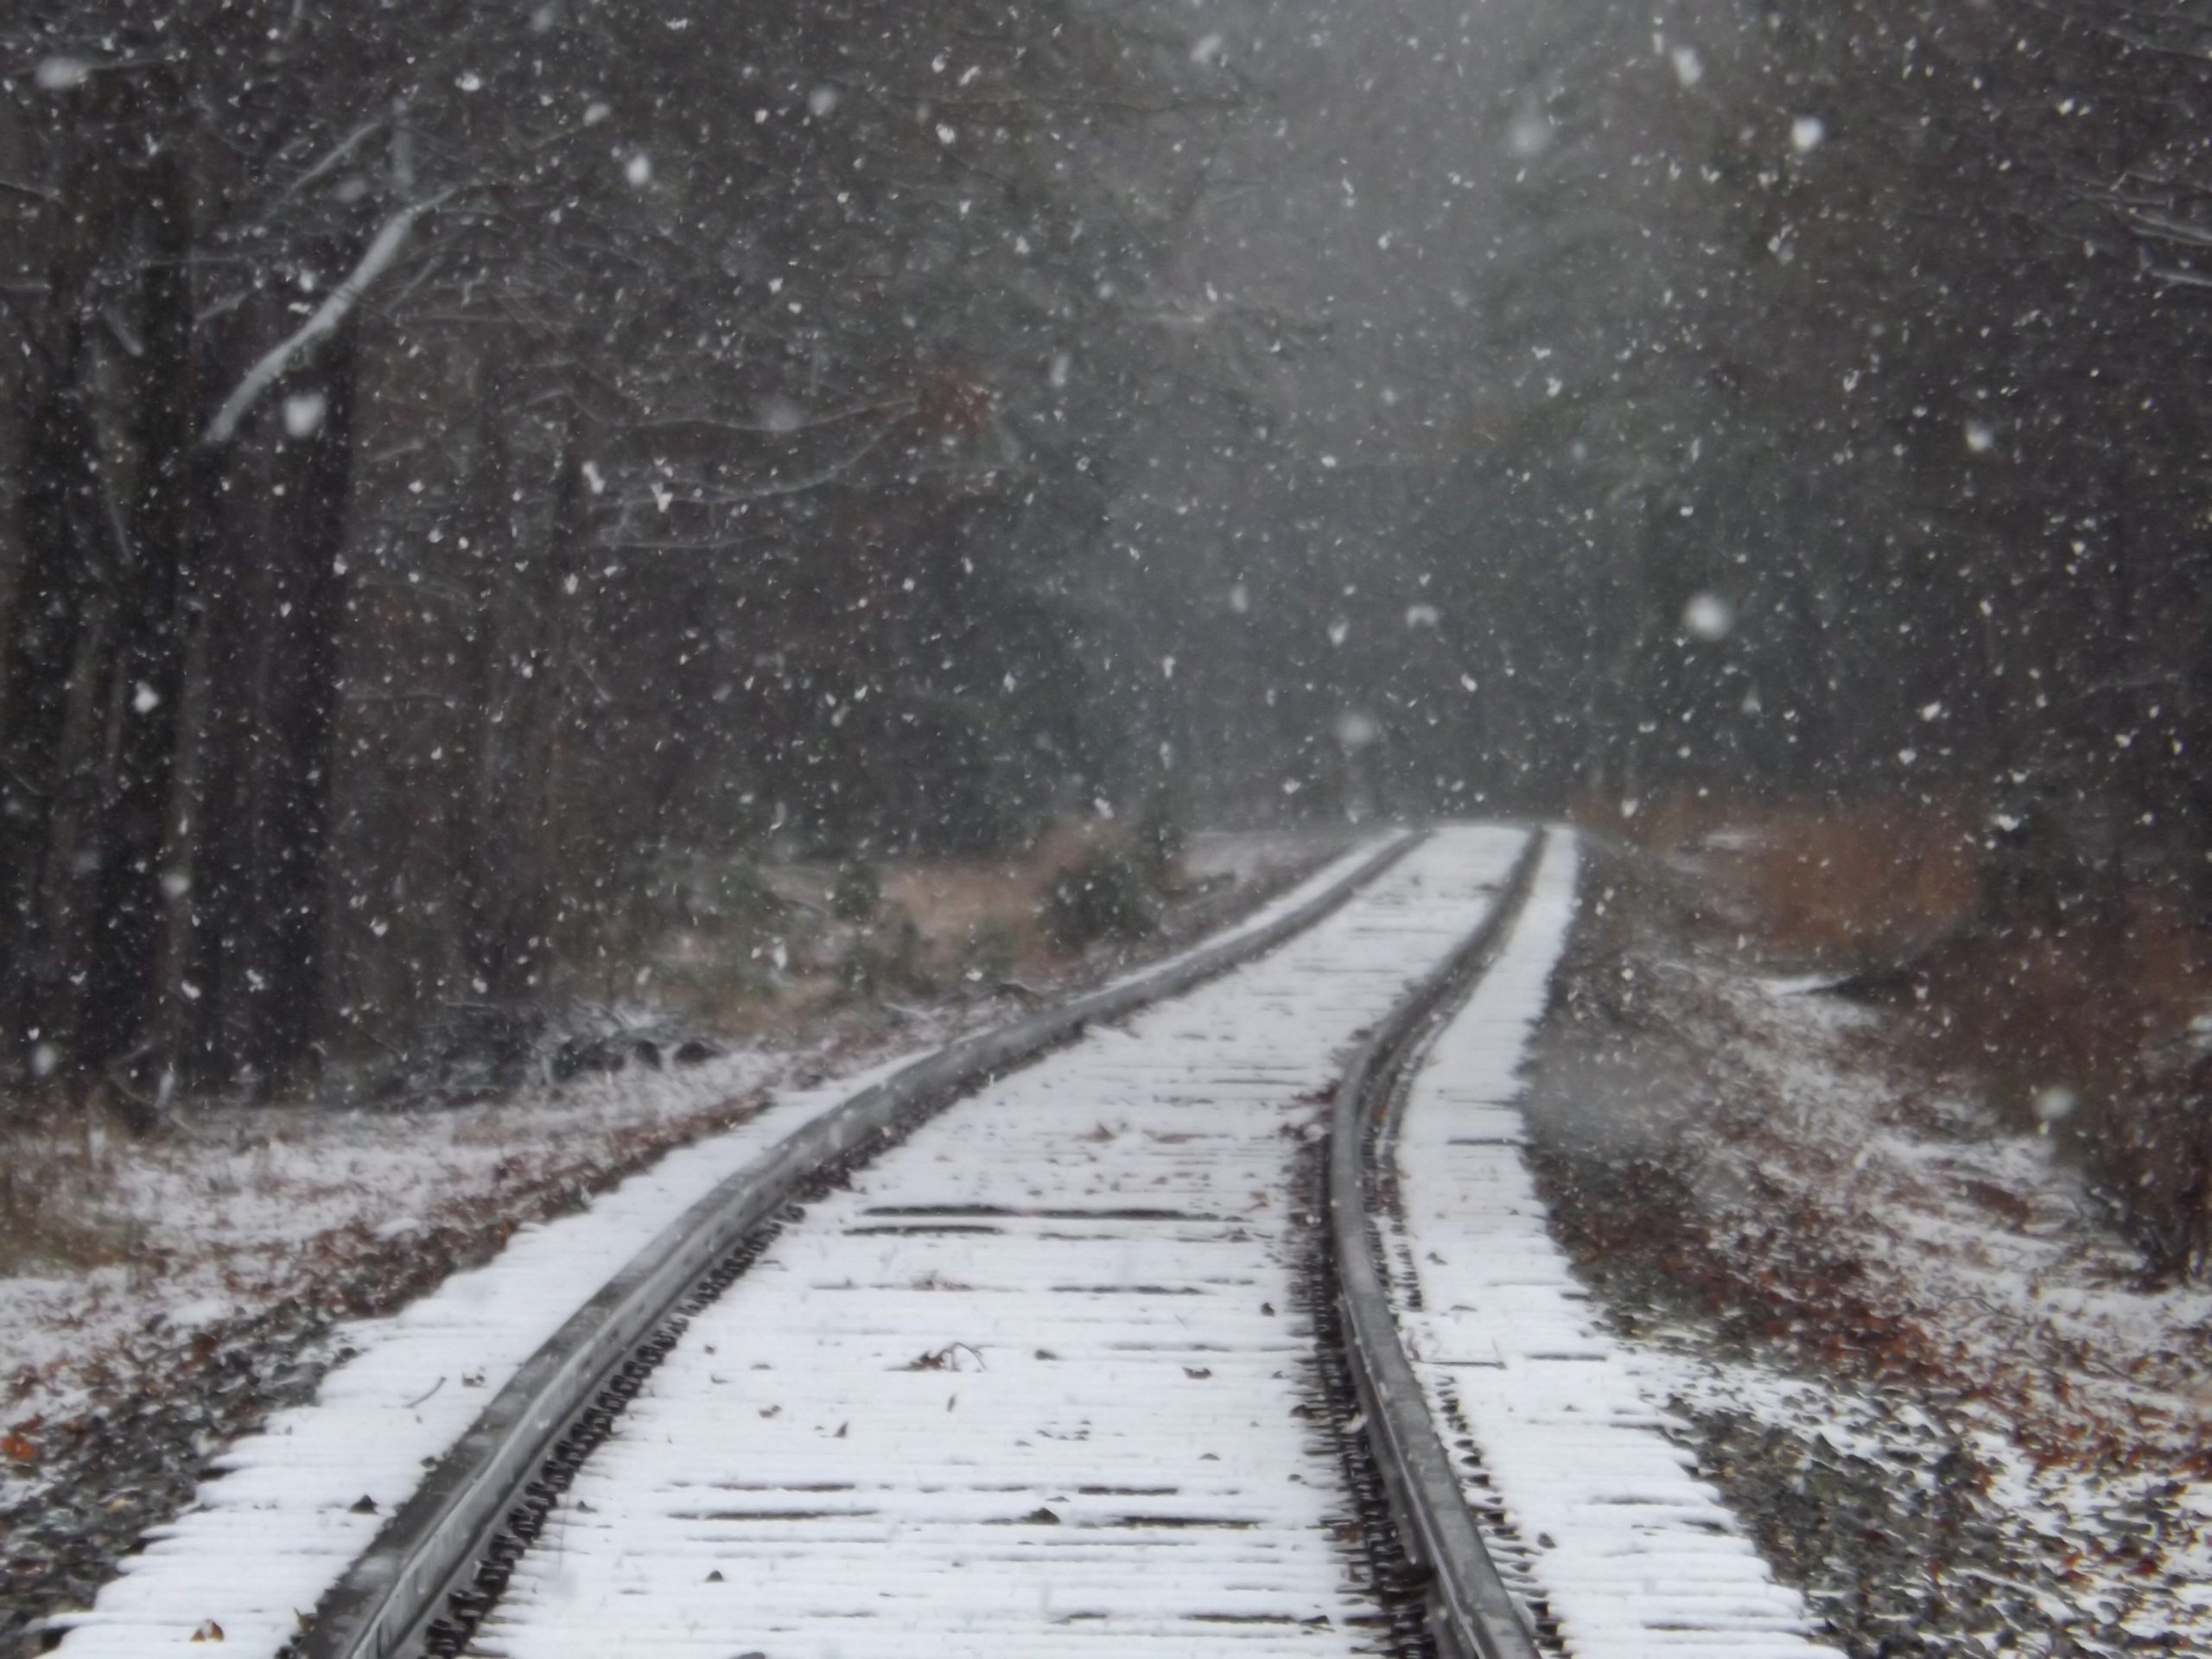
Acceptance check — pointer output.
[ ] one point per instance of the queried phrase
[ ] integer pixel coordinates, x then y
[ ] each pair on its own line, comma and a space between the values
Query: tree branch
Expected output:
384, 248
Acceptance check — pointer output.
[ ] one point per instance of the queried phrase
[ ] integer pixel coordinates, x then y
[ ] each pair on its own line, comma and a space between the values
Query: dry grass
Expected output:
960, 904
73, 1193
2084, 1035
1866, 882
2074, 1026
941, 921
52, 1180
1845, 886
2081, 1007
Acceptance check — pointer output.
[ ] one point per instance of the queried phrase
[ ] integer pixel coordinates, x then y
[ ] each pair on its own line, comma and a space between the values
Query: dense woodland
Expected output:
465, 468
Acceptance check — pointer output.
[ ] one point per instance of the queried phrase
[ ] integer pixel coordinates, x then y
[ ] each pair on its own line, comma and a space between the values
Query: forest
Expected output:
466, 469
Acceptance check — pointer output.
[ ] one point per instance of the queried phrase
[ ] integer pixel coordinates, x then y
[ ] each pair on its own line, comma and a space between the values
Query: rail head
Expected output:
1472, 1614
382, 1603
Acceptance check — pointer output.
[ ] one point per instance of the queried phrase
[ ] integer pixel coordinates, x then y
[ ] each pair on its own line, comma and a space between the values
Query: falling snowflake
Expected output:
1708, 617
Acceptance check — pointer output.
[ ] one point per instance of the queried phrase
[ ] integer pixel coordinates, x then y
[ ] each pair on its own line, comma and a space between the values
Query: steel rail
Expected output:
1472, 1614
401, 1584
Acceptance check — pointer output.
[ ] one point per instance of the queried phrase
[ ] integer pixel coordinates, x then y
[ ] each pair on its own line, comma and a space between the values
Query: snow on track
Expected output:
1032, 1384
1634, 1554
284, 1520
263, 1542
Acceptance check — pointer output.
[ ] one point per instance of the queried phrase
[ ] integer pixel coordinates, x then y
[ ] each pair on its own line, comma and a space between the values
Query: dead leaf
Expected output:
948, 1358
18, 1448
209, 1630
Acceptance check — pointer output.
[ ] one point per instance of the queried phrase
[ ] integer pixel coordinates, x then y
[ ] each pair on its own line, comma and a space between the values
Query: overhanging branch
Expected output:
330, 316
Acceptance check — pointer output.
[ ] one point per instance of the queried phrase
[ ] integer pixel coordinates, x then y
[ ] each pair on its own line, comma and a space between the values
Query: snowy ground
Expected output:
243, 1207
179, 1292
1903, 1340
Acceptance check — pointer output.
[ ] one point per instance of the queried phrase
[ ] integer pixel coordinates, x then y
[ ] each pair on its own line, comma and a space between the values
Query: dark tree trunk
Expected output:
543, 832
275, 614
51, 763
293, 893
124, 996
49, 770
227, 651
482, 845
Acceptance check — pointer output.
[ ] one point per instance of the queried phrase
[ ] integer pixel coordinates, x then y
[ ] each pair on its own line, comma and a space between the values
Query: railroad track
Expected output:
1076, 1336
1013, 1357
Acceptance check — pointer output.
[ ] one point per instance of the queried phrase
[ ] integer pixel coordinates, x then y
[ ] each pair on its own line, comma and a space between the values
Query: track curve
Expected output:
1471, 1615
1002, 1450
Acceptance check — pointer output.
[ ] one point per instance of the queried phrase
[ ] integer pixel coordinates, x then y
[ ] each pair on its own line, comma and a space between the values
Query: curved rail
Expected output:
1471, 1615
401, 1582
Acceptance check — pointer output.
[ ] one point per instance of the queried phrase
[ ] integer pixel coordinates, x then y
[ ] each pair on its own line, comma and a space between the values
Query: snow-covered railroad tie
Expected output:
1034, 1383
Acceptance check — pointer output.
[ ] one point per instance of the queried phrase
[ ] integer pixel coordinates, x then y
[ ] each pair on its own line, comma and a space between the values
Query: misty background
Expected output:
465, 470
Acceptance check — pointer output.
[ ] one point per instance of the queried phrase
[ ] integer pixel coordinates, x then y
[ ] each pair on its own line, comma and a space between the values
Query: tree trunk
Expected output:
49, 756
293, 891
124, 999
51, 763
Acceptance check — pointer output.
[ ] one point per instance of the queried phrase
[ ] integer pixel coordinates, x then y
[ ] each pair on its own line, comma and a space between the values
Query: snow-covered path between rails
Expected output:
1604, 1519
301, 1499
1034, 1383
